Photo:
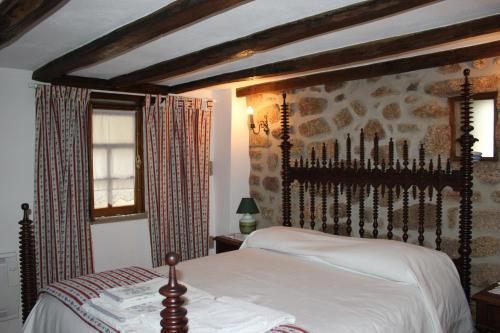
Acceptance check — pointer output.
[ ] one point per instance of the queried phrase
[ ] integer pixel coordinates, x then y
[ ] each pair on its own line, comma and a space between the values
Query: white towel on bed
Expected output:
206, 314
228, 315
120, 314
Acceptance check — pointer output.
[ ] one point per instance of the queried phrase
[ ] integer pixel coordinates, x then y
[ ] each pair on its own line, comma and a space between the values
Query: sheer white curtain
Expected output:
113, 157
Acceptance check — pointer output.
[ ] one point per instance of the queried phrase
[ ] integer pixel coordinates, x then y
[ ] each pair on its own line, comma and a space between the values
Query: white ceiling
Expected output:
81, 21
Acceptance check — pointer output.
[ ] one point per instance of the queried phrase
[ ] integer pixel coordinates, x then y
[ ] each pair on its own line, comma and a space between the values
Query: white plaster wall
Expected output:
17, 123
221, 162
240, 159
231, 162
121, 244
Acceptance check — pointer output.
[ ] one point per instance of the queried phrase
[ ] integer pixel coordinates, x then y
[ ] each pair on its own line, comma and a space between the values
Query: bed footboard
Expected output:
27, 263
174, 316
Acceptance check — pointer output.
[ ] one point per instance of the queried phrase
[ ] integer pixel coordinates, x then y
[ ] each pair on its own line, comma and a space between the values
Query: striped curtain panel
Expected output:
177, 141
61, 203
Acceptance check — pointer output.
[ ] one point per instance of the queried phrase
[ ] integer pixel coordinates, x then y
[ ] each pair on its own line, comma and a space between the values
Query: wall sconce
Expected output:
263, 124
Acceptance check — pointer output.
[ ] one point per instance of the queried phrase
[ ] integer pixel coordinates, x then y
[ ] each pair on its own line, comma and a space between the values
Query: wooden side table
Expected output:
226, 243
487, 311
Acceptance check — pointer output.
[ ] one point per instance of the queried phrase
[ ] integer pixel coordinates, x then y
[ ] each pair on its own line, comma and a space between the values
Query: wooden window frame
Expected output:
118, 102
456, 122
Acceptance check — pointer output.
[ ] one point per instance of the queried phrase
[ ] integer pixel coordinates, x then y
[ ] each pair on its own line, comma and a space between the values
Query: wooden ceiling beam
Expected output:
102, 84
352, 54
18, 16
378, 69
178, 14
240, 48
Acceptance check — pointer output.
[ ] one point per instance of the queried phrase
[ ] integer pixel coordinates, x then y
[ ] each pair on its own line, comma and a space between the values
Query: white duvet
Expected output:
329, 283
432, 272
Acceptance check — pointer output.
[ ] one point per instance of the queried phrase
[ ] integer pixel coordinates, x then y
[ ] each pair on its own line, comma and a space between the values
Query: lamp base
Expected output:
247, 224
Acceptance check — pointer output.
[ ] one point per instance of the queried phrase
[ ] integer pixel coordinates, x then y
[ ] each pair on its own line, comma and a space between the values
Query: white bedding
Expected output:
366, 295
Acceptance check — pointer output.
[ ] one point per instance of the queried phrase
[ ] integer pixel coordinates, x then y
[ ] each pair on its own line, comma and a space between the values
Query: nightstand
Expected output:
226, 243
487, 310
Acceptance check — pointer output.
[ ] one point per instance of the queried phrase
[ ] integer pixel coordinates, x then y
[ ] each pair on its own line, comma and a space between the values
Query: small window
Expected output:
116, 166
484, 123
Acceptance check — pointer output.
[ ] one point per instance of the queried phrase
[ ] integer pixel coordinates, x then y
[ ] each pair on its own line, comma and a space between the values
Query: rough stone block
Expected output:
391, 111
271, 183
256, 195
495, 196
482, 219
267, 213
447, 69
484, 274
437, 140
255, 155
254, 180
312, 105
358, 107
272, 161
450, 247
431, 110
256, 166
374, 126
485, 246
384, 91
450, 88
343, 118
480, 63
413, 86
259, 141
411, 99
487, 172
408, 128
339, 98
314, 127
329, 87
429, 217
297, 149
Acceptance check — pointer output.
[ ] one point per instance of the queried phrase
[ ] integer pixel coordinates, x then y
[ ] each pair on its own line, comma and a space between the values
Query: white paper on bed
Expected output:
431, 271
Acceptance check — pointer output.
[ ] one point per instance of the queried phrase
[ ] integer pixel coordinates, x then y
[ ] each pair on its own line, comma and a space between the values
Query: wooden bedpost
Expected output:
285, 164
27, 262
466, 141
173, 317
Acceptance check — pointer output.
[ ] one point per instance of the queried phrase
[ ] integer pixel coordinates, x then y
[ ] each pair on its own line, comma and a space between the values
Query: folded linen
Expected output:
118, 316
227, 315
206, 313
135, 294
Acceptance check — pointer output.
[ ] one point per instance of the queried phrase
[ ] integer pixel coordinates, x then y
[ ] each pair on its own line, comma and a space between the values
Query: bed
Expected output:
327, 281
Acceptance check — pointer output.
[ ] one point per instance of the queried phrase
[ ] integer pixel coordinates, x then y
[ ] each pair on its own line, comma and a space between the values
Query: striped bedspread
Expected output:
75, 292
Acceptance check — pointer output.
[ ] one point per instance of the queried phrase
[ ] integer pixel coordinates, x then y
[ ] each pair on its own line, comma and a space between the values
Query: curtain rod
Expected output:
34, 85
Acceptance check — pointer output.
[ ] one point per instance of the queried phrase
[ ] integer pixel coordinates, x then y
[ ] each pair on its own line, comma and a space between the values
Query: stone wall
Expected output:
409, 106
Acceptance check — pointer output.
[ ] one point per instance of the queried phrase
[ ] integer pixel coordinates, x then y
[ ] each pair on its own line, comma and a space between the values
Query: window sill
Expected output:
119, 218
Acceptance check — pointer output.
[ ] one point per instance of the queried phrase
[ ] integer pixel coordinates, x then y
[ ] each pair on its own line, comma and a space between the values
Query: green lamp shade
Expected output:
247, 206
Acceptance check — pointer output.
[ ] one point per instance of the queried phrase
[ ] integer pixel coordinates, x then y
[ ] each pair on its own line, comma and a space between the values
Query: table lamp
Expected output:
247, 207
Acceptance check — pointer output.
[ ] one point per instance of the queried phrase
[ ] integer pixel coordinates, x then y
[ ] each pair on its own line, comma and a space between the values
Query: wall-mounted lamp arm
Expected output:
263, 124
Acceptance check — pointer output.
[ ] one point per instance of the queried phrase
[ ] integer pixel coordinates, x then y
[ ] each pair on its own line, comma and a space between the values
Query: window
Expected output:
484, 122
116, 167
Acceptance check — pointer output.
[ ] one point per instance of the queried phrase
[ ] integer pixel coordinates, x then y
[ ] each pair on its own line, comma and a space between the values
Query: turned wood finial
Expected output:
27, 263
173, 317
